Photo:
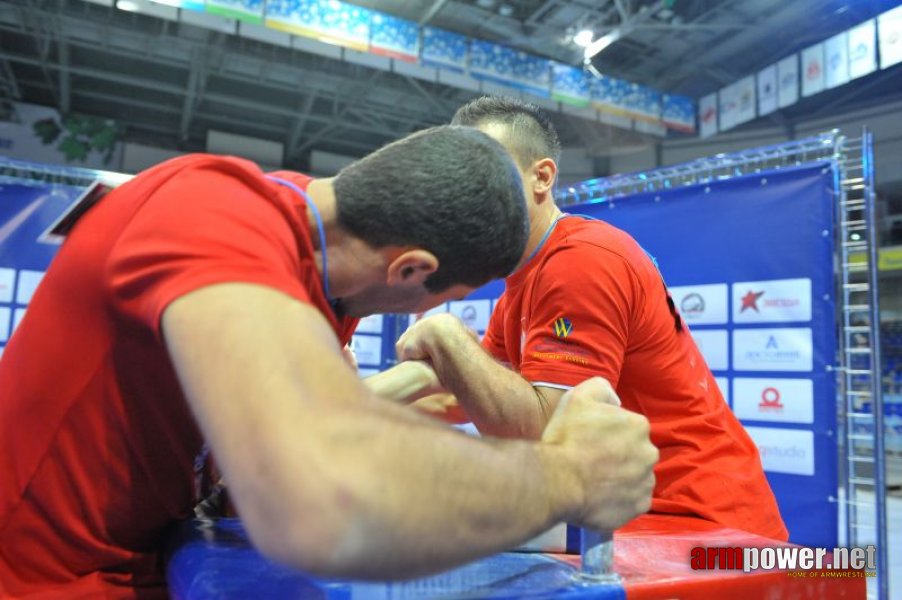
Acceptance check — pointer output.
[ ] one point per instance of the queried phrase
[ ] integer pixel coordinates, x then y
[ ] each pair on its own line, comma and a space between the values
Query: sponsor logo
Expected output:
772, 349
784, 450
551, 344
692, 305
772, 353
750, 300
799, 561
473, 313
7, 277
703, 304
779, 400
468, 316
774, 300
562, 327
770, 400
813, 70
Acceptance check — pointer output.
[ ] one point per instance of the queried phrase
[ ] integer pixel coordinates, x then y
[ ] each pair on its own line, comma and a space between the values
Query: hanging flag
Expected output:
889, 29
707, 115
836, 60
813, 70
788, 81
767, 90
863, 49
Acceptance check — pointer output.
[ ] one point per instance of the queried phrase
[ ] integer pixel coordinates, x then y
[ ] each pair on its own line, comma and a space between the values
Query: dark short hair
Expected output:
530, 134
453, 191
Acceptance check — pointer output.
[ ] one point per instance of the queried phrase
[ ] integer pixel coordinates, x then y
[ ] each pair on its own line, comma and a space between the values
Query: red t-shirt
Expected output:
591, 302
97, 442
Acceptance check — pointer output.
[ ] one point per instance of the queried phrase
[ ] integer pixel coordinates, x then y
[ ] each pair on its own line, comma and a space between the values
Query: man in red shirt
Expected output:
204, 305
589, 301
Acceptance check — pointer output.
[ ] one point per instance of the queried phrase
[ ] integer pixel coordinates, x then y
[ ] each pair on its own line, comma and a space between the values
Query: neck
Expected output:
348, 257
546, 215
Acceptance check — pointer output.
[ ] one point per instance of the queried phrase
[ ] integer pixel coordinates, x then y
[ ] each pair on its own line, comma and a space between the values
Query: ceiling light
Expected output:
602, 43
584, 37
128, 5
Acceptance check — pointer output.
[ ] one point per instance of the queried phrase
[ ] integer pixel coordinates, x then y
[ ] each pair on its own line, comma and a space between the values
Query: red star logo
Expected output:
750, 300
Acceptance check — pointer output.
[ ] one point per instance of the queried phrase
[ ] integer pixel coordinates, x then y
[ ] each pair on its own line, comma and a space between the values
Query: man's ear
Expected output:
411, 267
544, 174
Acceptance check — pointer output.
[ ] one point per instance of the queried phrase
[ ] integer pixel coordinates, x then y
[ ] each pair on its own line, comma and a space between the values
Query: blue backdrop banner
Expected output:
749, 262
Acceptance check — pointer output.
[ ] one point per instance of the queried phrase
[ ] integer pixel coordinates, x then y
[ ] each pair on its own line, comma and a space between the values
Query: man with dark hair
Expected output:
588, 301
204, 305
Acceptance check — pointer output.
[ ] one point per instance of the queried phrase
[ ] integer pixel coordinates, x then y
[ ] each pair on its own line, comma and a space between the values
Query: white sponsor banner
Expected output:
889, 32
774, 301
784, 450
745, 94
712, 343
788, 81
701, 304
370, 324
767, 90
414, 317
737, 103
28, 282
836, 60
17, 318
367, 349
5, 314
776, 400
813, 70
474, 313
787, 349
863, 49
707, 115
7, 281
724, 384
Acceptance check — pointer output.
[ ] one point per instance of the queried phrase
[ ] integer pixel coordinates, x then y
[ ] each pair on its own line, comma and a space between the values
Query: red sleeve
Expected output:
209, 224
493, 340
580, 317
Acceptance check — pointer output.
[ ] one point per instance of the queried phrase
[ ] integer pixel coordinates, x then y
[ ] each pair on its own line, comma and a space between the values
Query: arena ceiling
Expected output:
168, 82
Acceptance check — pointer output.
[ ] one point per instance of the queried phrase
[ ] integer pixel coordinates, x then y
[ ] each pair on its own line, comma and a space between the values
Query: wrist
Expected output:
562, 485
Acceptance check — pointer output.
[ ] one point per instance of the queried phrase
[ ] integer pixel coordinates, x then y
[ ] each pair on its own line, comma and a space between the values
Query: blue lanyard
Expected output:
319, 228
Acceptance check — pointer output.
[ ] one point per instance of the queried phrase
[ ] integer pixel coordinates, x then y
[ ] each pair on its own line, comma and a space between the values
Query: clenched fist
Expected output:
601, 457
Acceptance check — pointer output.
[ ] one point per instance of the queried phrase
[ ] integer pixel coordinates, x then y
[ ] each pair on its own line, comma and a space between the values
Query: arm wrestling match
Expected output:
207, 305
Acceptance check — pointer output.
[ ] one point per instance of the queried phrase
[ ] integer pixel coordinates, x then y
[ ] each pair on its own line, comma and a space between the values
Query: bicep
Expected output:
580, 328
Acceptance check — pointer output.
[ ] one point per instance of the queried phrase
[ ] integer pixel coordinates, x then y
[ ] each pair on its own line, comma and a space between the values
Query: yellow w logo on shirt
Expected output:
563, 327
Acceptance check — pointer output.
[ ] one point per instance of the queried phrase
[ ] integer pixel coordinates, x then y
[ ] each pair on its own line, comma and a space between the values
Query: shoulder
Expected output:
584, 242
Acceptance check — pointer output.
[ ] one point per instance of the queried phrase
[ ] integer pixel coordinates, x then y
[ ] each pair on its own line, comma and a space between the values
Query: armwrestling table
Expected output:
214, 560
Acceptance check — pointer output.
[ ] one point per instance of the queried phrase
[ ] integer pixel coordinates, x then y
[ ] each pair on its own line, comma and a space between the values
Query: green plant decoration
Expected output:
78, 136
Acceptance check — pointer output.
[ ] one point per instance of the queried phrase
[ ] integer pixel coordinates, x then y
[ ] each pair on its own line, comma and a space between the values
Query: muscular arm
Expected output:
330, 480
499, 401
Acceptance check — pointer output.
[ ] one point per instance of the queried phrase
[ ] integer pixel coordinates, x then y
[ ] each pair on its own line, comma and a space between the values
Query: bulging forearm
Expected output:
499, 401
425, 498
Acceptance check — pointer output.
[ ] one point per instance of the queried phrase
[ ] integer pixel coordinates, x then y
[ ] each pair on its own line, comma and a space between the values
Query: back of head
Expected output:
453, 191
529, 133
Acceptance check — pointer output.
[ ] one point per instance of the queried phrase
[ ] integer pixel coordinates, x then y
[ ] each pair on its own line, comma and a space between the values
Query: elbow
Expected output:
305, 534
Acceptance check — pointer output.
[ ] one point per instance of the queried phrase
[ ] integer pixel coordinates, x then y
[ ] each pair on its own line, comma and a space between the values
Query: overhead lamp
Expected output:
584, 38
128, 5
602, 43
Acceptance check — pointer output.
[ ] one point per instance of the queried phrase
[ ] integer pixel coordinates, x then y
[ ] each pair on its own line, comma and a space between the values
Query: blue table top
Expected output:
215, 560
